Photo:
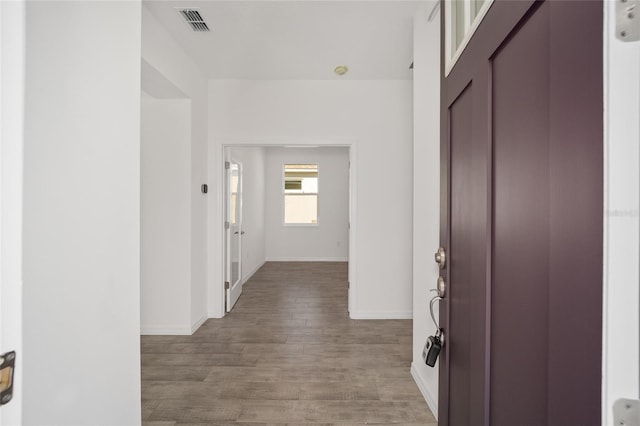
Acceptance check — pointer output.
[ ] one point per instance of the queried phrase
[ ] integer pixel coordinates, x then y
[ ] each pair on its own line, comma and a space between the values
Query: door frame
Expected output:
216, 288
12, 83
621, 304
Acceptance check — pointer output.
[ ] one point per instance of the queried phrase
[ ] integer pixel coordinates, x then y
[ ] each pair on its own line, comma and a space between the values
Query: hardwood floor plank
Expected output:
288, 354
329, 412
192, 348
156, 373
188, 360
273, 348
182, 411
147, 408
276, 374
339, 391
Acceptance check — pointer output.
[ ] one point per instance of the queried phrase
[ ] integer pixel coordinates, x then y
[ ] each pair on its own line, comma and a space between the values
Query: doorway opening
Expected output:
285, 203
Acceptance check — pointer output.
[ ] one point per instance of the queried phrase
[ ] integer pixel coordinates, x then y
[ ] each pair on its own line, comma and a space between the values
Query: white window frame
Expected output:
469, 29
284, 195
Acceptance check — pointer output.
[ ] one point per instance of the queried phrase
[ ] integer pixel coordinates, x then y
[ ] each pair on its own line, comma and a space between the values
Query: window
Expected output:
462, 18
300, 189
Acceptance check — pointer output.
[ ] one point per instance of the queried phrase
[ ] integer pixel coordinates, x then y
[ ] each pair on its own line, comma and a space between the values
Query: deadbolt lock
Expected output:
441, 257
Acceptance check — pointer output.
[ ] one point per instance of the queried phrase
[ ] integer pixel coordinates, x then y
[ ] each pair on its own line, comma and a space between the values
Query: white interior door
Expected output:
621, 356
12, 119
234, 232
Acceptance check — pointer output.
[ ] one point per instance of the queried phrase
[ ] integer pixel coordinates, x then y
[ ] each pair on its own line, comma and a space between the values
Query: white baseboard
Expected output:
307, 259
381, 315
152, 330
248, 276
424, 389
196, 325
159, 330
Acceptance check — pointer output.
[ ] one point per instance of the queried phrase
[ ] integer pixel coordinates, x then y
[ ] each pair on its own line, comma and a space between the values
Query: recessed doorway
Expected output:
291, 204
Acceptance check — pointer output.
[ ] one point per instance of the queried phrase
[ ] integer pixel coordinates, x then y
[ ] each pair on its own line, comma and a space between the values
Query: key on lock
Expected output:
432, 349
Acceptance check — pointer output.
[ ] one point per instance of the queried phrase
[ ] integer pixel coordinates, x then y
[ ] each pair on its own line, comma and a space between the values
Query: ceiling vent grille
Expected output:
194, 19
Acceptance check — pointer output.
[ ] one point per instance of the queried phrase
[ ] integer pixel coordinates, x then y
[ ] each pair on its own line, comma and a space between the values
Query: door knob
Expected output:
441, 257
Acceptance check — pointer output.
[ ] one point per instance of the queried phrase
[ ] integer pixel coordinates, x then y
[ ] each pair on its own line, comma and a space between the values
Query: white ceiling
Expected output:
297, 39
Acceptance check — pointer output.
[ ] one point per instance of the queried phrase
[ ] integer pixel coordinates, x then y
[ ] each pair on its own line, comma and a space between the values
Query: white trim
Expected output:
196, 325
219, 286
450, 60
353, 214
621, 222
308, 259
467, 16
448, 28
12, 98
158, 330
432, 403
375, 315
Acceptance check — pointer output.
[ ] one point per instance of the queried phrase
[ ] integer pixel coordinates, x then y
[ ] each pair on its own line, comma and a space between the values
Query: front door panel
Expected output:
520, 294
468, 269
522, 219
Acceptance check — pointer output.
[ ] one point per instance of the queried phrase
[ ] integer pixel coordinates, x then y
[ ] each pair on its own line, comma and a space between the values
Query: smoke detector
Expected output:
341, 69
194, 19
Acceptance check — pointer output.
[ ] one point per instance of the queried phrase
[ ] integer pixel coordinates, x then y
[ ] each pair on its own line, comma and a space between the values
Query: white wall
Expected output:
253, 207
81, 301
165, 246
426, 196
12, 37
621, 219
329, 240
376, 116
171, 64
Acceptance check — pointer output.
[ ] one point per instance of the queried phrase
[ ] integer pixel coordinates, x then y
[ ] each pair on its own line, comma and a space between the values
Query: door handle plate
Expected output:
442, 287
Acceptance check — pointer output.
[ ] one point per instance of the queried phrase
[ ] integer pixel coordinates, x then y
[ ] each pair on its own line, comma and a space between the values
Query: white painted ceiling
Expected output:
302, 40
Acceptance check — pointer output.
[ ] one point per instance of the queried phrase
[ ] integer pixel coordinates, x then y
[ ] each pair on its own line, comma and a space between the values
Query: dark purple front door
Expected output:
522, 197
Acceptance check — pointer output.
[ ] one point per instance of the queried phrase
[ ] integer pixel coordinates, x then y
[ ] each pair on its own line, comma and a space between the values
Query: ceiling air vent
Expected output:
194, 19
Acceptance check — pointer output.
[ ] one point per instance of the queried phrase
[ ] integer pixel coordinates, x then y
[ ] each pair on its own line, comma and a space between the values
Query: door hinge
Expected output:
227, 165
348, 285
7, 367
226, 285
626, 412
628, 20
227, 225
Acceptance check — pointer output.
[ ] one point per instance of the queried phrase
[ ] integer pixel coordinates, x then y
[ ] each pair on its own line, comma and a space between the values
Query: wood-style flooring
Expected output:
287, 354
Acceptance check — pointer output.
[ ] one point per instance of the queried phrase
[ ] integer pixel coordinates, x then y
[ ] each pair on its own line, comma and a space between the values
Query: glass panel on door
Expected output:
234, 216
233, 234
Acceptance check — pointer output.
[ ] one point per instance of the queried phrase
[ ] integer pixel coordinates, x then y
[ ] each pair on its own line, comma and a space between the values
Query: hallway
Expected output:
287, 354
